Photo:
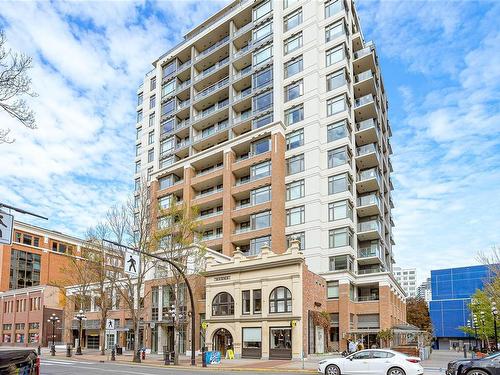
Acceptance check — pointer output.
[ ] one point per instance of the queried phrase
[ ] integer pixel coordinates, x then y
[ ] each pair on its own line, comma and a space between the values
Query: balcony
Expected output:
243, 72
365, 83
251, 46
369, 230
222, 83
249, 26
243, 94
212, 48
212, 69
368, 298
211, 237
213, 130
367, 156
208, 193
370, 270
364, 59
368, 205
369, 255
367, 131
368, 180
183, 86
365, 107
211, 110
212, 214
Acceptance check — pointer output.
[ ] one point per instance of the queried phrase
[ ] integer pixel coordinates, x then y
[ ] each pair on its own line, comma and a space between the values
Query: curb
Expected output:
185, 368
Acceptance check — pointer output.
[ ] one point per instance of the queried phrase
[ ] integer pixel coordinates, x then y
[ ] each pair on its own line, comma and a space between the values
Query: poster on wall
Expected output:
212, 358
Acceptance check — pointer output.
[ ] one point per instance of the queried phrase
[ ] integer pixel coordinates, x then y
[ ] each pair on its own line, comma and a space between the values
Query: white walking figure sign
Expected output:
6, 226
132, 264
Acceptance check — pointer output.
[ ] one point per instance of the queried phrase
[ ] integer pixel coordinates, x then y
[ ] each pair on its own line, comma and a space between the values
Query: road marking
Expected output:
96, 368
62, 362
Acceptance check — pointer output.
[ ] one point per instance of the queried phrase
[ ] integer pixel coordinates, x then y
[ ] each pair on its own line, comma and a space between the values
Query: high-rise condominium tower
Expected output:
271, 117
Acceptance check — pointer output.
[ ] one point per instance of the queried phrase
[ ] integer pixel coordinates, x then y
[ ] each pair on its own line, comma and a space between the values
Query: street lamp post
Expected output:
53, 319
173, 313
469, 325
80, 316
494, 312
481, 314
474, 324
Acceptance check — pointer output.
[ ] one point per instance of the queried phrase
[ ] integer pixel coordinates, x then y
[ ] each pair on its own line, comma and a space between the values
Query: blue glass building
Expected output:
452, 289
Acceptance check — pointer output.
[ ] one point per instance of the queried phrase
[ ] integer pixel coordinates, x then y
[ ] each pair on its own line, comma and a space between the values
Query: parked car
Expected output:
372, 361
19, 362
489, 365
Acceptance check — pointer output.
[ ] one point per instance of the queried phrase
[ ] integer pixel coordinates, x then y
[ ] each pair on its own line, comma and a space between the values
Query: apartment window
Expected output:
140, 98
137, 184
167, 126
295, 139
294, 114
139, 116
165, 202
149, 173
293, 67
340, 237
151, 155
260, 170
260, 220
223, 304
332, 289
340, 210
27, 239
293, 43
137, 149
294, 90
262, 10
295, 164
151, 137
152, 101
288, 3
257, 301
261, 146
295, 190
339, 156
168, 107
292, 20
335, 55
339, 183
280, 300
262, 32
257, 243
245, 298
137, 166
301, 237
262, 55
295, 216
336, 80
166, 146
152, 83
168, 88
24, 269
337, 131
260, 195
334, 30
138, 132
340, 263
263, 101
333, 7
262, 121
336, 105
169, 69
262, 78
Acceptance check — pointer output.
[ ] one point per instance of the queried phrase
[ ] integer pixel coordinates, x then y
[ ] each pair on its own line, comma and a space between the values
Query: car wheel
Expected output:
396, 371
477, 372
332, 370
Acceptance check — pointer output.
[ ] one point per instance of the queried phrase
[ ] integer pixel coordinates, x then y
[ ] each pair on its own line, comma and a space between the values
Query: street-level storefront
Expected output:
257, 306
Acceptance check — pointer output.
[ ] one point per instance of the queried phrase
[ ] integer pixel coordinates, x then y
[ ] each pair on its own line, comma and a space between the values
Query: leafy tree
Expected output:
417, 313
14, 84
385, 336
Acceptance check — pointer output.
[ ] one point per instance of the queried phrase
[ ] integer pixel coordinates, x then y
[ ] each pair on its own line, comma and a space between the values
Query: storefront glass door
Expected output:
281, 343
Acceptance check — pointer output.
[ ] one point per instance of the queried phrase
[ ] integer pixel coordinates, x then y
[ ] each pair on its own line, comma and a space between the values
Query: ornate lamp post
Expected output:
53, 319
474, 325
494, 312
469, 325
80, 316
173, 313
481, 314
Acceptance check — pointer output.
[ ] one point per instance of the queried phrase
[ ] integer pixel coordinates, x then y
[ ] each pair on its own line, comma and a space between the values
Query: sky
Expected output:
441, 68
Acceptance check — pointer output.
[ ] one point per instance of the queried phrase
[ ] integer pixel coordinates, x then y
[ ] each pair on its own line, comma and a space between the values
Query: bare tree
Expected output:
178, 239
492, 260
14, 84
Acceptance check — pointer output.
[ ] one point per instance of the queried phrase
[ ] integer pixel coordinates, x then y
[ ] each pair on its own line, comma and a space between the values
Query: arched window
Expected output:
223, 304
280, 300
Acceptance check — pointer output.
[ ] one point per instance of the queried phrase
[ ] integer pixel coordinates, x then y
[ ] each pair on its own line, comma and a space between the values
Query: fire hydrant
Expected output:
143, 354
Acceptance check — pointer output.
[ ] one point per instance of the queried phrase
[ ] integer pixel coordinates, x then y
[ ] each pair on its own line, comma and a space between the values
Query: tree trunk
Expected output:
176, 345
137, 355
103, 338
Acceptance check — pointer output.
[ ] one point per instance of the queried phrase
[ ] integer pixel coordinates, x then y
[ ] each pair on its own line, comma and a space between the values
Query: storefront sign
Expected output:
212, 358
221, 278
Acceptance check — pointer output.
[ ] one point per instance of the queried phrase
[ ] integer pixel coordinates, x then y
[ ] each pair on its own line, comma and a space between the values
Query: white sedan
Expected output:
372, 361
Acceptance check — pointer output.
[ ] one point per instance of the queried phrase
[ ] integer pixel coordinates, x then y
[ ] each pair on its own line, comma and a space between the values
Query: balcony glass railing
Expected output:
243, 72
182, 144
364, 271
211, 214
368, 298
184, 65
366, 149
243, 29
363, 52
243, 94
364, 100
242, 230
182, 124
369, 252
212, 69
212, 88
183, 85
362, 76
368, 200
210, 237
242, 117
369, 226
213, 47
368, 174
253, 178
211, 109
209, 170
218, 128
214, 191
183, 104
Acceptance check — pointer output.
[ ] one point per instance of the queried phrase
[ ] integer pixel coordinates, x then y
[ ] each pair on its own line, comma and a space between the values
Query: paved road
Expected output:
67, 367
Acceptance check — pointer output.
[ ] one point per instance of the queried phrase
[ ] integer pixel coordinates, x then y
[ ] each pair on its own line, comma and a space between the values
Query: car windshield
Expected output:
492, 355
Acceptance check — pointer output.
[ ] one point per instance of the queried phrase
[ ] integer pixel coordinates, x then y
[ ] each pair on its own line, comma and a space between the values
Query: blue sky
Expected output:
441, 67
